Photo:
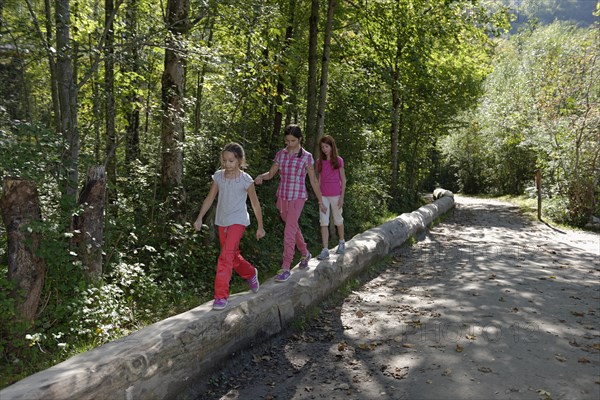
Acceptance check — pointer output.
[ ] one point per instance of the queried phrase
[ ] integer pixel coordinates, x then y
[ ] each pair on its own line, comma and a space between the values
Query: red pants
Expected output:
290, 211
230, 259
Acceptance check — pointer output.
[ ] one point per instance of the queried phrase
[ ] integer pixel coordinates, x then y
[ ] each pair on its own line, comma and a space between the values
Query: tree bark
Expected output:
200, 81
278, 115
538, 190
394, 138
52, 66
173, 85
311, 96
89, 223
324, 73
20, 209
132, 64
67, 96
109, 106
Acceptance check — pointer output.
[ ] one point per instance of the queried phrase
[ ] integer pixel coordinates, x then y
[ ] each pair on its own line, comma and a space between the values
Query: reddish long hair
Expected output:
327, 139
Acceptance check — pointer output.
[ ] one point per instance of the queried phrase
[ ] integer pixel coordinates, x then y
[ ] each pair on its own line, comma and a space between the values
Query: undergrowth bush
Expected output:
152, 269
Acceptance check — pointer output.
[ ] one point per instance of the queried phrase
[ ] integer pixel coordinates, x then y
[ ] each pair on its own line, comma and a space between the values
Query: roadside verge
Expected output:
164, 359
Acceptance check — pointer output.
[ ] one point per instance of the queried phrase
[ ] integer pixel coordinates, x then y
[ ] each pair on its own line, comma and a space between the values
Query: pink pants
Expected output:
290, 211
230, 259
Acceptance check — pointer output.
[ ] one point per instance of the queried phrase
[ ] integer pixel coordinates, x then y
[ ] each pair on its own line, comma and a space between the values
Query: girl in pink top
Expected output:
293, 164
332, 182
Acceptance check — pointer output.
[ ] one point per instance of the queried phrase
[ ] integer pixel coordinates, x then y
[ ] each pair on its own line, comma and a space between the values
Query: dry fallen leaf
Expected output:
459, 348
257, 359
397, 373
342, 346
544, 394
360, 314
583, 360
560, 357
471, 337
485, 370
577, 313
407, 345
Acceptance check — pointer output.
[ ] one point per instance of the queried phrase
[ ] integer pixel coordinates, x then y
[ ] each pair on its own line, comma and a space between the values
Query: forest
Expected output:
113, 115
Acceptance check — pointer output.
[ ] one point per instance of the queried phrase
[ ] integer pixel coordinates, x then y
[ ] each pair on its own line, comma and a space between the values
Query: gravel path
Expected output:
487, 305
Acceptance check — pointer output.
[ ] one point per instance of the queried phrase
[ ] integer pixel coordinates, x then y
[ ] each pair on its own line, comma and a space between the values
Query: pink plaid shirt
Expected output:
292, 170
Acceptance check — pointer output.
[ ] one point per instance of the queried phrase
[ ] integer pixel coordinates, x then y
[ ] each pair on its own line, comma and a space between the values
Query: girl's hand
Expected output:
340, 202
322, 207
258, 180
198, 224
260, 233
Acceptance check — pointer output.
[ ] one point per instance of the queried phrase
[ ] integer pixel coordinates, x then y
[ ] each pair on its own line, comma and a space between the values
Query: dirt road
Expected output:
487, 305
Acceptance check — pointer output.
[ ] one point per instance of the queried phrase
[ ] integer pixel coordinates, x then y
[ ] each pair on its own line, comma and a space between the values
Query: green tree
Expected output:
432, 56
540, 110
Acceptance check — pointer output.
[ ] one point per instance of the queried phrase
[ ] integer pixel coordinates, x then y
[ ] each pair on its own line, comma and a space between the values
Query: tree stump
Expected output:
20, 208
89, 223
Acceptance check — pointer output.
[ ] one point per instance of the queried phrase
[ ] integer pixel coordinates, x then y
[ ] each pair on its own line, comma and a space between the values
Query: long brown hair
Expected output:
327, 139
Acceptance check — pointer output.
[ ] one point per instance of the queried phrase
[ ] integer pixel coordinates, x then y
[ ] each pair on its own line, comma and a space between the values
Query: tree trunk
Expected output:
311, 96
109, 106
278, 115
52, 66
89, 223
131, 64
394, 139
200, 81
20, 209
173, 85
67, 97
324, 73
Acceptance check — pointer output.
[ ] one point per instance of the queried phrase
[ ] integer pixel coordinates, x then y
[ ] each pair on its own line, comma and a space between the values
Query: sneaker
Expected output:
253, 282
283, 275
324, 255
304, 261
219, 304
341, 248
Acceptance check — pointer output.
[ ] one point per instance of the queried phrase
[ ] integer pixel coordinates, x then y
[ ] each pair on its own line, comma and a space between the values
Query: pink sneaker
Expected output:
219, 304
283, 275
304, 261
253, 282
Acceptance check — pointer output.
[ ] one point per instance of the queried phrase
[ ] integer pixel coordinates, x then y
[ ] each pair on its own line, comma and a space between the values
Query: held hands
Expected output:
258, 180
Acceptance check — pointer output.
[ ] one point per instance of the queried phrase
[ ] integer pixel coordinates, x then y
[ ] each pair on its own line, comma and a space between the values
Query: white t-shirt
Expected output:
231, 203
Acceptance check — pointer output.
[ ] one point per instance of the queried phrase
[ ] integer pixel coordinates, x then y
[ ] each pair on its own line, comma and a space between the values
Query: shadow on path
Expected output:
487, 305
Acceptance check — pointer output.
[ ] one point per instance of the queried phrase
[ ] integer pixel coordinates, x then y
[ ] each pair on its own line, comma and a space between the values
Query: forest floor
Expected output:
486, 305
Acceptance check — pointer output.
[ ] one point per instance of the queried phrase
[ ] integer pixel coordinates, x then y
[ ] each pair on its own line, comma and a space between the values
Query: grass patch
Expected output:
528, 207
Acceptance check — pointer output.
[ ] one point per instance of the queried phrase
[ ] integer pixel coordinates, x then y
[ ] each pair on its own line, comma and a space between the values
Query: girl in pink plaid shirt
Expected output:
293, 164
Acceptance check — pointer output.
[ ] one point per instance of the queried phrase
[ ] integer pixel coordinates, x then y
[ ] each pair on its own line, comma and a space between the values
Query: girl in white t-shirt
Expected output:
233, 186
332, 182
